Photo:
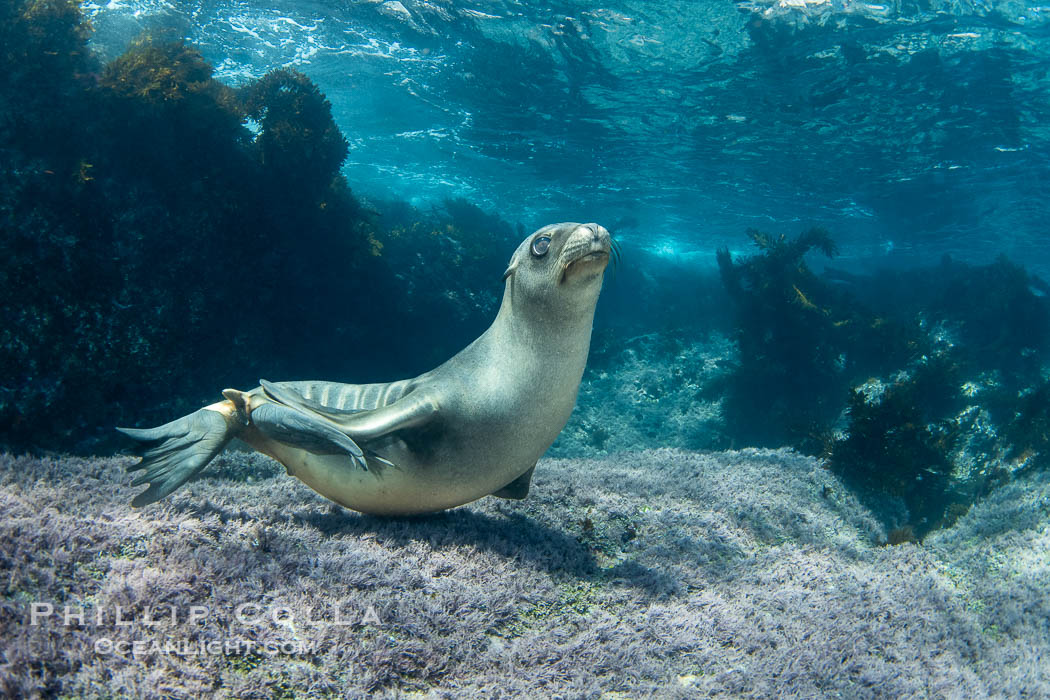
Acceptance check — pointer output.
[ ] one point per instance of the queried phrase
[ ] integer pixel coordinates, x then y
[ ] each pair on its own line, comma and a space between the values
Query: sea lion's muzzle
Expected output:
586, 252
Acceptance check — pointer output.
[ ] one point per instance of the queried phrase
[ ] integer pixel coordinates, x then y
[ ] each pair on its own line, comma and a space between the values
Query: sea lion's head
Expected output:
560, 267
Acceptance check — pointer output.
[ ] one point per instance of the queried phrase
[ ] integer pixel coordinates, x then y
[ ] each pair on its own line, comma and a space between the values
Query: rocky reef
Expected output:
667, 572
926, 384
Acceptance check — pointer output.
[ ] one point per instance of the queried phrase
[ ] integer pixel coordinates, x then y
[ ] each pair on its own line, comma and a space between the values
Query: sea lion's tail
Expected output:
174, 452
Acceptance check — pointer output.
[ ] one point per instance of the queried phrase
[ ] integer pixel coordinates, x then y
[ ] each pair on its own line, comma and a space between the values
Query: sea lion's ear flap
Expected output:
510, 271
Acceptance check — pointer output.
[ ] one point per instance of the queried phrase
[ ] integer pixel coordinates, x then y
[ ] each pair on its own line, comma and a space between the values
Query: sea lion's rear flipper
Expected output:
306, 430
410, 411
517, 489
175, 451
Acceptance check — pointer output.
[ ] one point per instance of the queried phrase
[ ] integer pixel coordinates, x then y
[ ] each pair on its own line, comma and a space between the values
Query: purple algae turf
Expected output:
660, 573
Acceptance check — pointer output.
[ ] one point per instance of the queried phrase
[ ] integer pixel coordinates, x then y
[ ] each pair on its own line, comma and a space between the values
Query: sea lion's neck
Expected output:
547, 330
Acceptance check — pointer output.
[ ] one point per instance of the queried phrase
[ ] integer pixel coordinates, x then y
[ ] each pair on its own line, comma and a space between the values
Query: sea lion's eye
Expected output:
541, 245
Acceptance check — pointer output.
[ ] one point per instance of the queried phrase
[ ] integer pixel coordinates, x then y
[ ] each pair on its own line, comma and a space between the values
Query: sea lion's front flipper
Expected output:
175, 451
410, 411
290, 397
517, 489
306, 430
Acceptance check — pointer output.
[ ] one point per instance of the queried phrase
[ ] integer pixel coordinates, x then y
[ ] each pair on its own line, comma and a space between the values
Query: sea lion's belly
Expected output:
446, 474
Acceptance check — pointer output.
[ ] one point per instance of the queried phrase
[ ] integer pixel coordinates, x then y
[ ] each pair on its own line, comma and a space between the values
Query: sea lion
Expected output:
474, 426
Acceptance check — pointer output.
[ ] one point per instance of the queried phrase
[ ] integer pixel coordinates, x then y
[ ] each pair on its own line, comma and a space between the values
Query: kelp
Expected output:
166, 234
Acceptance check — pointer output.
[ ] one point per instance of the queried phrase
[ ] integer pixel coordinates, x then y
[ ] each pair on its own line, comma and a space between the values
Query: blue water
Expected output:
909, 129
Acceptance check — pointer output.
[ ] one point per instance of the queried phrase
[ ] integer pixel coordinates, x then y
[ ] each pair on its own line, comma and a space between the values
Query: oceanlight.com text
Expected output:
104, 646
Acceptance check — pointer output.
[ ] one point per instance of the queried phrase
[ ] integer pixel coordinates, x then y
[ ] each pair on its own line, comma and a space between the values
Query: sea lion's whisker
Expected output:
614, 247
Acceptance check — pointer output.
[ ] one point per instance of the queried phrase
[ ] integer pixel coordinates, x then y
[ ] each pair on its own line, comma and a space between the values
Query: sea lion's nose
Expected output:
596, 231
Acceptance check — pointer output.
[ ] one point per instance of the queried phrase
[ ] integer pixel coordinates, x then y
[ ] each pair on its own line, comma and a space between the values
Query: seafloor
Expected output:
661, 573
